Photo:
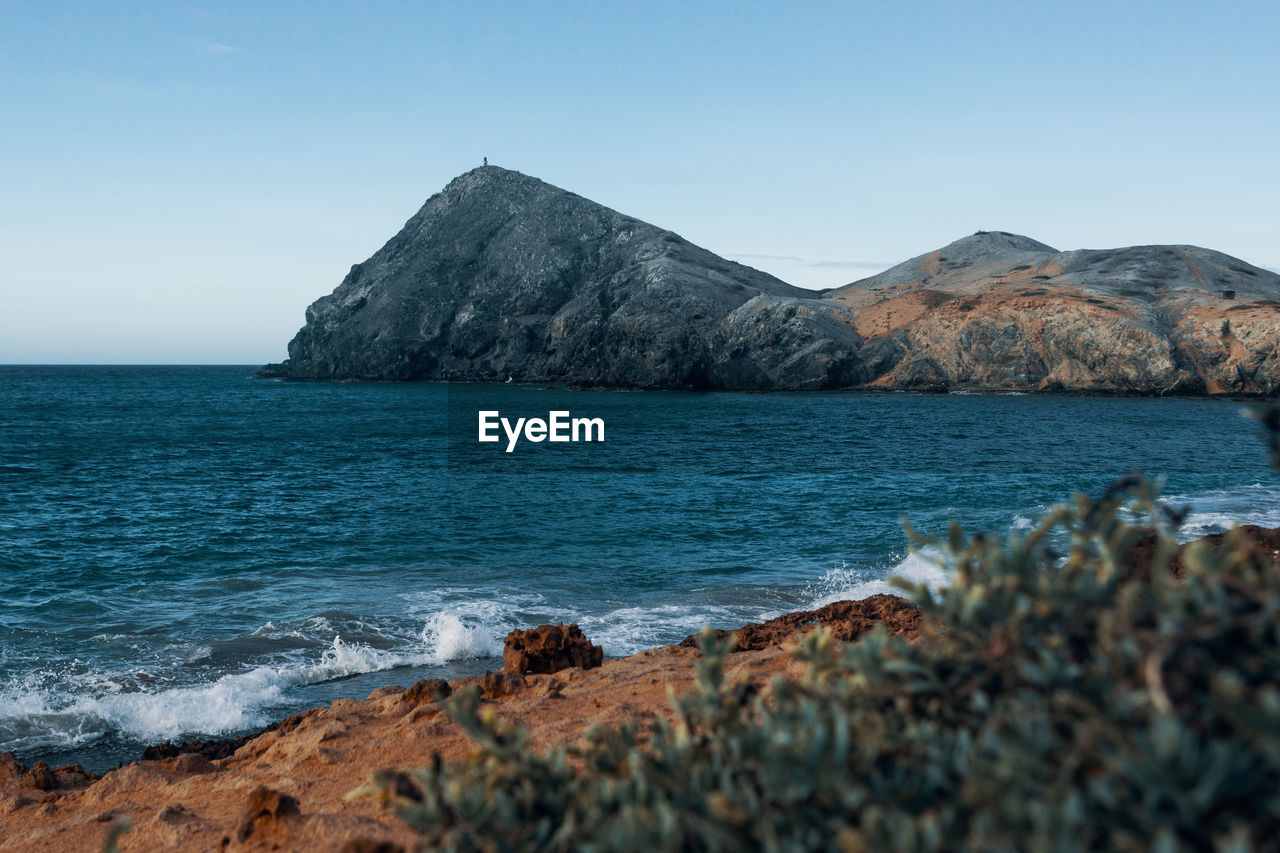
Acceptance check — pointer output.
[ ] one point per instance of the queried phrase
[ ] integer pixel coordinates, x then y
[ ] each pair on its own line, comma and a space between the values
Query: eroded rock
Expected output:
847, 620
41, 777
549, 648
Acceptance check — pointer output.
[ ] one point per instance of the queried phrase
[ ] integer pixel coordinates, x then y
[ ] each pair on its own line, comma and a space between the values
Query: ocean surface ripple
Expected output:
188, 552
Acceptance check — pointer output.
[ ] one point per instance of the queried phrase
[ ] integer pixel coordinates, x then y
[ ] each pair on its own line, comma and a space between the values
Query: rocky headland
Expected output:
501, 276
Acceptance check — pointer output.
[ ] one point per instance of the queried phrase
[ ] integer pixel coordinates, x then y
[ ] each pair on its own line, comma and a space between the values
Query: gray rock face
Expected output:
503, 276
773, 343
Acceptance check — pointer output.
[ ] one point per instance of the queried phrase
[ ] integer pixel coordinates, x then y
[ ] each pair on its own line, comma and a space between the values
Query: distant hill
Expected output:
501, 276
1002, 311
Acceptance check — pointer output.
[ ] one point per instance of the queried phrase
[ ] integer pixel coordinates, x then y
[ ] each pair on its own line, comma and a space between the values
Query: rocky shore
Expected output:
285, 788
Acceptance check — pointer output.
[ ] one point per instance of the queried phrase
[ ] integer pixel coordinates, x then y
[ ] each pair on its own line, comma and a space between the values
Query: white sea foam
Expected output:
469, 623
628, 630
1218, 510
29, 720
847, 583
450, 635
1211, 510
37, 714
458, 629
232, 702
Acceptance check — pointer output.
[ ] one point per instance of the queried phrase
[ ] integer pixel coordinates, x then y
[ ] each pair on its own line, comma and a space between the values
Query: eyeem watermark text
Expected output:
558, 426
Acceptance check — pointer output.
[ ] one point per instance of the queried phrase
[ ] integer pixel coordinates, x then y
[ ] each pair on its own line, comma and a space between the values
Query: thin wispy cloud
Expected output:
811, 262
213, 48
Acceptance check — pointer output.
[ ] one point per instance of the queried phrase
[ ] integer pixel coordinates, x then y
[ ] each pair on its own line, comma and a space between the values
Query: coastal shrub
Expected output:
1061, 698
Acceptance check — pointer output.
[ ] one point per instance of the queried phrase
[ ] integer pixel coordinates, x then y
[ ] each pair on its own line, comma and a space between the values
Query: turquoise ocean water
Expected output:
189, 552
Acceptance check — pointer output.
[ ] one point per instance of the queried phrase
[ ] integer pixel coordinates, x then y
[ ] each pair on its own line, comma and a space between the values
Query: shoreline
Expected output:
568, 385
199, 798
287, 786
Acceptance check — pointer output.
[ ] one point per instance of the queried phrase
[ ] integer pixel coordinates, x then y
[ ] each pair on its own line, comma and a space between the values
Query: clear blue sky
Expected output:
179, 181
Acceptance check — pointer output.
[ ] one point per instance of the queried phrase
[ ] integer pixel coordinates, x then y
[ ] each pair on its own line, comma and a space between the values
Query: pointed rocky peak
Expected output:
492, 193
502, 275
499, 180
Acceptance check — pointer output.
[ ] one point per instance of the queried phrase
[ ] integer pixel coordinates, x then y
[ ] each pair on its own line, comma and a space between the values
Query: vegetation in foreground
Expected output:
1058, 700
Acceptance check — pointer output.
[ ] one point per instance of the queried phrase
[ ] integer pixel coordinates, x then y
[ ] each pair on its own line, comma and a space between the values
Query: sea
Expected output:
191, 552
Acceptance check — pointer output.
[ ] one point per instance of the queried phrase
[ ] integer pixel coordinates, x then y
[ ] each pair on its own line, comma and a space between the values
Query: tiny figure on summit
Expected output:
486, 161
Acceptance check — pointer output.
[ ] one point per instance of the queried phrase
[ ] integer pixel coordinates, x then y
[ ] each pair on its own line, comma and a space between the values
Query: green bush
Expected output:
1057, 701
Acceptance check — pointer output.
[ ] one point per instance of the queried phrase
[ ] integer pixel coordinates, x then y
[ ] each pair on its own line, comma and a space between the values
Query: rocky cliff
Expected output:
501, 276
999, 311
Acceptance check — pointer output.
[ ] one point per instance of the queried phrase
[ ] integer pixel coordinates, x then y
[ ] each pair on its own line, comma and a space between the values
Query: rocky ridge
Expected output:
998, 311
503, 277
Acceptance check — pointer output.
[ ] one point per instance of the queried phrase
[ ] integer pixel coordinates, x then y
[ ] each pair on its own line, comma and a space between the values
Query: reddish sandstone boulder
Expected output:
549, 648
847, 621
41, 777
